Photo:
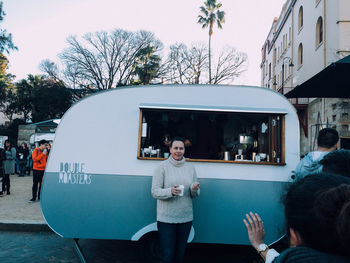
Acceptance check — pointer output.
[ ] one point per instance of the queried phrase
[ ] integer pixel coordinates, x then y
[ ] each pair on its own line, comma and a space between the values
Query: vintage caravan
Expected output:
243, 142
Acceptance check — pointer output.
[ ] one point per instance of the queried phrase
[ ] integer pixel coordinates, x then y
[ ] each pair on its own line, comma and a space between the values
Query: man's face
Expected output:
43, 146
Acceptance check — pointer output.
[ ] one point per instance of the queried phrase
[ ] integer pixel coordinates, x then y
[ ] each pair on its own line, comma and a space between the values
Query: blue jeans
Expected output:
22, 168
173, 239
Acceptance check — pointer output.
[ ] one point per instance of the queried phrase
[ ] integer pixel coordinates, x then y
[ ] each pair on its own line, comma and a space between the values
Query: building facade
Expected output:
307, 36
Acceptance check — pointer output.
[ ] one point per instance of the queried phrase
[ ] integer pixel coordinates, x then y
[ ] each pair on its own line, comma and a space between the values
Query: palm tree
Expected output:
210, 14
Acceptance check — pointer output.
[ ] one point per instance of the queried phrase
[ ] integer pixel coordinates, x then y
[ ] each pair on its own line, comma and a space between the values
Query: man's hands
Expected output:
255, 227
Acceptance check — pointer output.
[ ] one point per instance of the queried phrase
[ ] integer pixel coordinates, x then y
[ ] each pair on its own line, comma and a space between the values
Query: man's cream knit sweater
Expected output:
174, 209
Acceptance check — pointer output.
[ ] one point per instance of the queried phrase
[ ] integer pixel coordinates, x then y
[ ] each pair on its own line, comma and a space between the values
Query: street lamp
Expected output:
290, 65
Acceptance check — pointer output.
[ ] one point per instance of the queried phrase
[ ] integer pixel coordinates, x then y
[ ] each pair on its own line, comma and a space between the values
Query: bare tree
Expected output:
230, 64
186, 65
191, 65
51, 69
104, 60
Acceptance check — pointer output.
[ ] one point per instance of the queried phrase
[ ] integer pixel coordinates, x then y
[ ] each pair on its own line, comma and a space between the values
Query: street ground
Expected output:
29, 247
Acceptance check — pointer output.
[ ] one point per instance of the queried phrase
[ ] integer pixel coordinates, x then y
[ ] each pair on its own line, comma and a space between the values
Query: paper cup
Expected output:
182, 188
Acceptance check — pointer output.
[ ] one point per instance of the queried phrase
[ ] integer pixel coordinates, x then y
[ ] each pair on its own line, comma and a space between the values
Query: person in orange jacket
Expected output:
39, 156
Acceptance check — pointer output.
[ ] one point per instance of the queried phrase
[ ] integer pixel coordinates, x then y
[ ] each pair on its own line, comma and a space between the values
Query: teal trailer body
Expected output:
95, 186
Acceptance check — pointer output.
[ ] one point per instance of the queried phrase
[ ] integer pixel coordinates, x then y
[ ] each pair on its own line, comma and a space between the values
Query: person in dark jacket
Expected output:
2, 156
317, 212
8, 165
22, 156
327, 141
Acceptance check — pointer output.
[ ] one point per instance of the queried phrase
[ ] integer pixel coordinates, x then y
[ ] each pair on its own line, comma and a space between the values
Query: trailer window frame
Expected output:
275, 137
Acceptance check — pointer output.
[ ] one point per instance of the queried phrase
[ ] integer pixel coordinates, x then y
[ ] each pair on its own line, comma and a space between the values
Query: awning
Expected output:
331, 82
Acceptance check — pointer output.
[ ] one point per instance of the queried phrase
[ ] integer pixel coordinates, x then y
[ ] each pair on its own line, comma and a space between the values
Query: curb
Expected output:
24, 227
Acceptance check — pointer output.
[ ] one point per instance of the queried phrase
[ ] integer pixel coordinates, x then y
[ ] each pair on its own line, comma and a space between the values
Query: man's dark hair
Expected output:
327, 138
41, 142
337, 162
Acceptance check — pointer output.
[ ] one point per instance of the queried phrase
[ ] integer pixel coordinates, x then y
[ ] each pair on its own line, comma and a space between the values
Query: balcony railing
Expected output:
295, 101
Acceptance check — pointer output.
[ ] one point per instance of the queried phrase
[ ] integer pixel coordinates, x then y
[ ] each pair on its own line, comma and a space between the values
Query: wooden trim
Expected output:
214, 161
271, 141
139, 139
271, 144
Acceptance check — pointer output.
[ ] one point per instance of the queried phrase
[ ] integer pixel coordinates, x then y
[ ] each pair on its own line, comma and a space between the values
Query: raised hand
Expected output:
255, 227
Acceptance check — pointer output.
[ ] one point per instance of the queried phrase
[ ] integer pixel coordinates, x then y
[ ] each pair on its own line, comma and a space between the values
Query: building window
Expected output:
334, 106
281, 48
290, 71
210, 134
345, 116
269, 71
345, 127
285, 72
300, 18
319, 31
290, 35
334, 117
285, 44
345, 104
263, 71
300, 55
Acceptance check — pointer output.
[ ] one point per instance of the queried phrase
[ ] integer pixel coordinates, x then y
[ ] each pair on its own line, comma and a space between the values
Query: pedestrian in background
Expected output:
1, 169
17, 168
30, 160
327, 141
39, 157
9, 155
22, 156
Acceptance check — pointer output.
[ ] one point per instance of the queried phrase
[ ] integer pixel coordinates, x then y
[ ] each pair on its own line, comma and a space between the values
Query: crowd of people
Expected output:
23, 161
316, 204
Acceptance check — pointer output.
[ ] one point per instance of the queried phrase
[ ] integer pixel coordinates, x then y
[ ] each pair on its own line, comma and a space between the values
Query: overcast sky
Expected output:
40, 27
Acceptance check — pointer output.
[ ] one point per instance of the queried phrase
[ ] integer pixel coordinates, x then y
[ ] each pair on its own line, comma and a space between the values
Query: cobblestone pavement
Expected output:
29, 247
15, 207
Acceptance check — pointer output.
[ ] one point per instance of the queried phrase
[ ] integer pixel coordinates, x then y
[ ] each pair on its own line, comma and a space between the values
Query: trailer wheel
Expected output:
150, 249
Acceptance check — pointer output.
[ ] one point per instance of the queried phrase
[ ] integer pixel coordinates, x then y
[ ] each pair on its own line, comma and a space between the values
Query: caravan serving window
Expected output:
213, 136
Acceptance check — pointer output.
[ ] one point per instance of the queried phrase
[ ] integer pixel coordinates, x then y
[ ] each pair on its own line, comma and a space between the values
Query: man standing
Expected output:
39, 156
327, 141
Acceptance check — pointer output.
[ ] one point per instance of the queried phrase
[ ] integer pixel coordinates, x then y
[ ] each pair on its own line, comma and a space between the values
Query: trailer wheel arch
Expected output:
153, 228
